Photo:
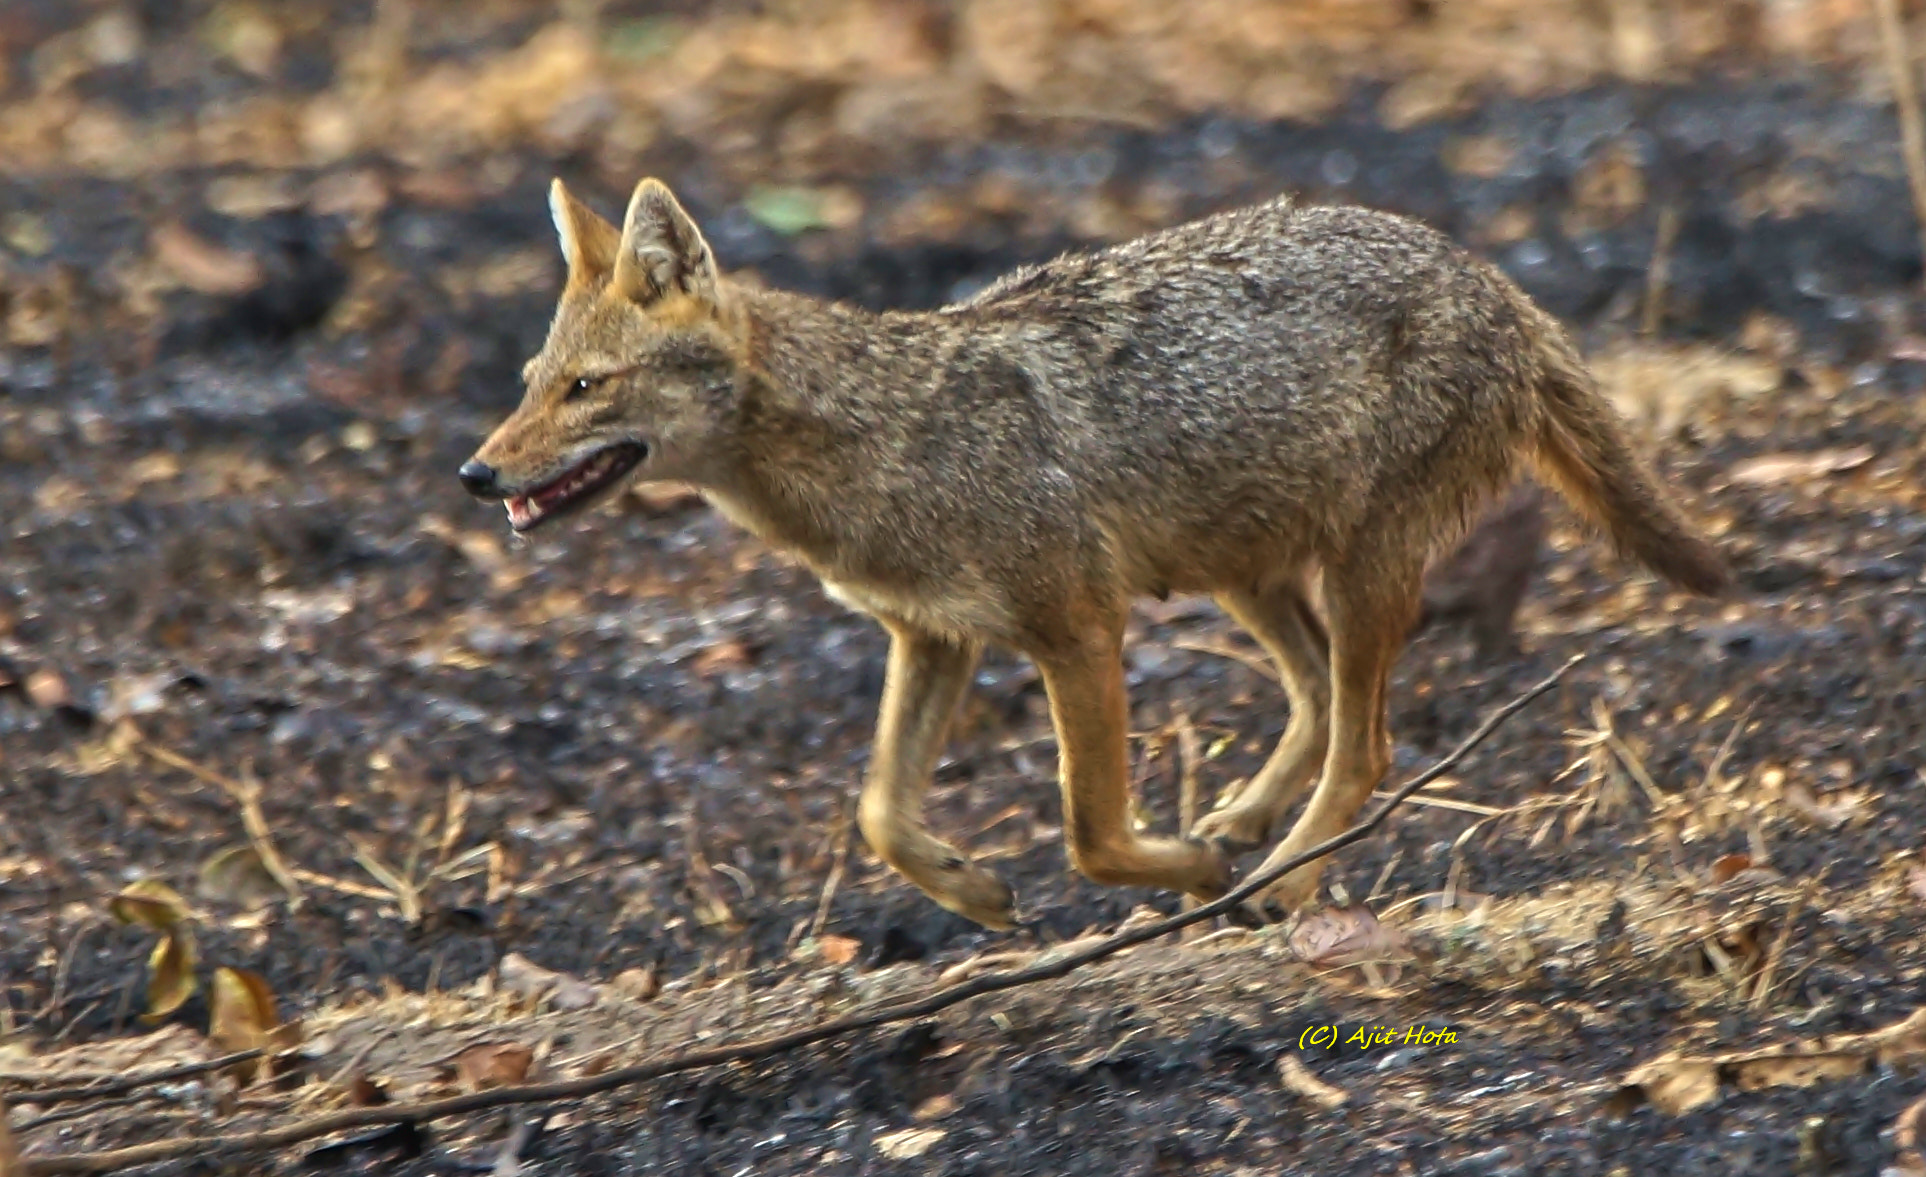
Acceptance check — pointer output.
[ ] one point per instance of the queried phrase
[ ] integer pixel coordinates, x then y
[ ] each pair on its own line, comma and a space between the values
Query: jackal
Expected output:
1273, 405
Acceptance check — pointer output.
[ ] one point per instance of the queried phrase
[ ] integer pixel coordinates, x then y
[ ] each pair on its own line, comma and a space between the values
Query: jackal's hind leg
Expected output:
1283, 621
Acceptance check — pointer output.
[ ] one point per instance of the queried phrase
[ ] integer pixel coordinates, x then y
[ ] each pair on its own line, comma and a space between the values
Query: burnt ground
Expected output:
232, 536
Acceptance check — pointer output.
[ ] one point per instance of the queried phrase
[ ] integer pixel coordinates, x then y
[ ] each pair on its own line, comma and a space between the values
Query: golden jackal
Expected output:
1259, 405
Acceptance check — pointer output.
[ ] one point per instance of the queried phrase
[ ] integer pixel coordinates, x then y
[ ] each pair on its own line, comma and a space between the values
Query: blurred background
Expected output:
269, 270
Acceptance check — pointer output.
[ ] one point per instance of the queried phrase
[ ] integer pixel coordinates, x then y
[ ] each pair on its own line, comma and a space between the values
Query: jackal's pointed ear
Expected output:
662, 250
588, 242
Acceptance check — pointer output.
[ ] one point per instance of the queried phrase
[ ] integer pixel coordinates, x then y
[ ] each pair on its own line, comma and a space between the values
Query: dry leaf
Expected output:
151, 904
366, 1093
1830, 814
1909, 1137
1729, 865
170, 974
724, 655
838, 950
1676, 1084
637, 984
48, 690
531, 982
1344, 936
493, 1064
201, 265
1298, 1078
1775, 469
1916, 881
908, 1142
9, 1156
934, 1108
236, 876
244, 1017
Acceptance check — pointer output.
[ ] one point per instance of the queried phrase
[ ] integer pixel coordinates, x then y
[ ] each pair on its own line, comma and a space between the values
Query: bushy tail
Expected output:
1584, 453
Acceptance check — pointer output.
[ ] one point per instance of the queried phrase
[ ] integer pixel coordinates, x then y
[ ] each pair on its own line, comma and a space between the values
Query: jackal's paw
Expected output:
1287, 896
974, 893
1218, 875
1236, 828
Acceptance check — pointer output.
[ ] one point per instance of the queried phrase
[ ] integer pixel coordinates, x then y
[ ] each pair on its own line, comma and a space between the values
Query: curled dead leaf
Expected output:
838, 950
236, 876
151, 904
533, 983
493, 1064
170, 973
47, 689
1346, 936
637, 984
1676, 1084
1909, 1137
201, 265
934, 1108
9, 1155
1833, 812
364, 1092
244, 1017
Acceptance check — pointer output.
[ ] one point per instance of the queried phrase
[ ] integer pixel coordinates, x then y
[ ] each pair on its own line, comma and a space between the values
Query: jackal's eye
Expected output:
580, 385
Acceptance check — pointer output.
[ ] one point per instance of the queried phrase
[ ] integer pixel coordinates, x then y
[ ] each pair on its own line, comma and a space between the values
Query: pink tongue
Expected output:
519, 510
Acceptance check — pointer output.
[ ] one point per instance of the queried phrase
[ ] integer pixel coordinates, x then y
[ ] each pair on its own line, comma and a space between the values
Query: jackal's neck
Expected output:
839, 395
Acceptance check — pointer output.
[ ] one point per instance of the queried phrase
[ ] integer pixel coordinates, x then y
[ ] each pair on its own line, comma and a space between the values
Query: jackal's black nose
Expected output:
478, 478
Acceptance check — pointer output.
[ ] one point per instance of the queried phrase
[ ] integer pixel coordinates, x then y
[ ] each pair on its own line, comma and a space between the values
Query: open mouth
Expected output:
576, 486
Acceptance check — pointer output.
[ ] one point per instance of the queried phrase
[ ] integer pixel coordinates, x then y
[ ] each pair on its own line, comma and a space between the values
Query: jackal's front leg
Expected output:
926, 679
1092, 716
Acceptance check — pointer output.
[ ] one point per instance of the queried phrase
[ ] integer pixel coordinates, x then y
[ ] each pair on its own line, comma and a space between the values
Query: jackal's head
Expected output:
638, 377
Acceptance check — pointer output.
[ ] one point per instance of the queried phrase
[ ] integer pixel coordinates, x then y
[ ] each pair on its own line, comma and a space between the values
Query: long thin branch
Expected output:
118, 1086
208, 1146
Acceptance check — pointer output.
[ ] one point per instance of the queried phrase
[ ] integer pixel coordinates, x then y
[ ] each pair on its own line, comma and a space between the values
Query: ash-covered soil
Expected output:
233, 539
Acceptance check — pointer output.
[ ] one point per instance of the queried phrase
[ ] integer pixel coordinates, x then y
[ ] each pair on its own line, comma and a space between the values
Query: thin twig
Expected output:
835, 879
1912, 132
1188, 757
117, 1086
568, 1089
1657, 277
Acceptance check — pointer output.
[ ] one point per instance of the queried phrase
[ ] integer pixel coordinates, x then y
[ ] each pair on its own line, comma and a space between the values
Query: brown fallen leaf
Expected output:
533, 983
201, 265
48, 689
1909, 1138
1729, 865
1830, 814
9, 1155
493, 1064
730, 654
637, 984
236, 876
1344, 936
838, 950
151, 904
908, 1143
364, 1092
1298, 1078
1775, 469
244, 1017
1676, 1084
1916, 881
934, 1108
170, 974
